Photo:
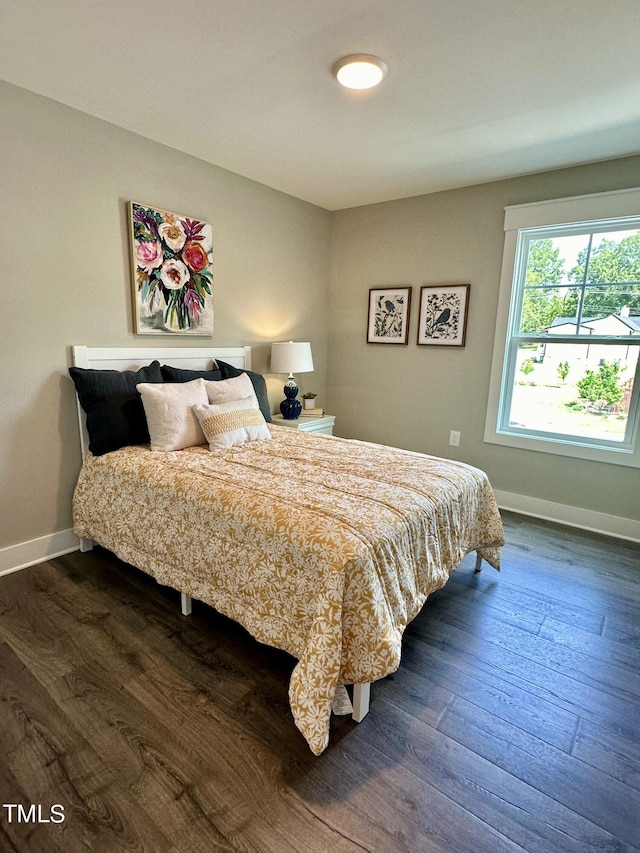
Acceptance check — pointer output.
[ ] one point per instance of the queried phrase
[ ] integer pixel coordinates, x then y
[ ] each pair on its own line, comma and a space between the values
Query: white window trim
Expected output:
609, 205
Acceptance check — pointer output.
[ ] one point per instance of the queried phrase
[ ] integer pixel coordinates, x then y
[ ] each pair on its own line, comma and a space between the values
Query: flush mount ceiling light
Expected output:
359, 71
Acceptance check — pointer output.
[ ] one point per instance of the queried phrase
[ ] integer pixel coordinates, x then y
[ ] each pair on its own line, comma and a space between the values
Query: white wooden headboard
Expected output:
133, 358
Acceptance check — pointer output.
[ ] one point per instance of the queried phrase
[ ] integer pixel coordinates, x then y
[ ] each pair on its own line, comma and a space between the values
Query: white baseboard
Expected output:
572, 516
37, 551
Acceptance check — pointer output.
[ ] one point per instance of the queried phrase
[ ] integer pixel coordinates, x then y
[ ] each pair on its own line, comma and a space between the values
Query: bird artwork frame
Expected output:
389, 315
443, 315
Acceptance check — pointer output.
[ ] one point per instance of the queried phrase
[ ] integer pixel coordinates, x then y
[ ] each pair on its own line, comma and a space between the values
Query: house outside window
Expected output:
565, 374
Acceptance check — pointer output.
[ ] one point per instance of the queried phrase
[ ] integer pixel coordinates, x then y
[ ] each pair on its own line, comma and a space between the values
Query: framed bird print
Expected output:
389, 311
443, 315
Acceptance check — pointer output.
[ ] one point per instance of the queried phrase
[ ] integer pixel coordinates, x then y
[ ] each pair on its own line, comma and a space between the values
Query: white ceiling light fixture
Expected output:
360, 71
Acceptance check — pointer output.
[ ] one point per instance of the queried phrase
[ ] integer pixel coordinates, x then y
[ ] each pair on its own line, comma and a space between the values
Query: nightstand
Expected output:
322, 425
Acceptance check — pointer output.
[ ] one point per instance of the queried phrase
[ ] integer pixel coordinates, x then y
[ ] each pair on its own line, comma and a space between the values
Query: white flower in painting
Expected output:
174, 274
173, 234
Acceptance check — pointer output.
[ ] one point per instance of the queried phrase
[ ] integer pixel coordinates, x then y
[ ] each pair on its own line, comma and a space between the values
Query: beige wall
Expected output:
64, 279
413, 396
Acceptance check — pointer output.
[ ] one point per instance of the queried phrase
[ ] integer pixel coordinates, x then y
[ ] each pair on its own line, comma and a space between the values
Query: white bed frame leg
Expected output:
86, 545
478, 567
185, 604
361, 693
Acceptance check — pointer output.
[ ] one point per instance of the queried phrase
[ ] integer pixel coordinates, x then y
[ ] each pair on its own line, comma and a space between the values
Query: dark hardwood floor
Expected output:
512, 724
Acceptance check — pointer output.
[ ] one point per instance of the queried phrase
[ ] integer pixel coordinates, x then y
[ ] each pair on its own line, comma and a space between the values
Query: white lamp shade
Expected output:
291, 357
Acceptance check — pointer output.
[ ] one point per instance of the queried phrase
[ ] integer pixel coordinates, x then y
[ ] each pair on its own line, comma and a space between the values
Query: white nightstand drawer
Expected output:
323, 425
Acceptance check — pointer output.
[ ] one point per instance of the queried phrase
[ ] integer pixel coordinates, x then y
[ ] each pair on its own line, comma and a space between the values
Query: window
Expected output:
566, 371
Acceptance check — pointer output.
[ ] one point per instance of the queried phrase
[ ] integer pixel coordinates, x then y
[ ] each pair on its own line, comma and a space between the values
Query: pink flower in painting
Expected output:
173, 234
174, 274
194, 255
148, 255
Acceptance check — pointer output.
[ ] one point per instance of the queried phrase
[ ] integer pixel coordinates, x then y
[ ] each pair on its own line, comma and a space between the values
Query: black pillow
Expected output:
179, 374
115, 414
259, 385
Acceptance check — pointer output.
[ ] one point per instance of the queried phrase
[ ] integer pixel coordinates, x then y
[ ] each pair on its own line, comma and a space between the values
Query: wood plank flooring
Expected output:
513, 723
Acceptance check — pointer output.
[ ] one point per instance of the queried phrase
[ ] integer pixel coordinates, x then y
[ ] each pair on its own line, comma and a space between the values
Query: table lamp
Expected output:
291, 357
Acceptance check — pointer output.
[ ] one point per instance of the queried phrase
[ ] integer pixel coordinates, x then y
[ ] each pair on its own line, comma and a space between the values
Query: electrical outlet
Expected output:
454, 438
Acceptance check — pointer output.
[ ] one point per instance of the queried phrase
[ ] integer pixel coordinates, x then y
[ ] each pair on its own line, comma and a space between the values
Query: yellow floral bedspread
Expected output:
320, 546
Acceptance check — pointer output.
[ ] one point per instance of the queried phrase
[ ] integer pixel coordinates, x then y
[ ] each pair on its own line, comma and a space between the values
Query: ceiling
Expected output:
477, 90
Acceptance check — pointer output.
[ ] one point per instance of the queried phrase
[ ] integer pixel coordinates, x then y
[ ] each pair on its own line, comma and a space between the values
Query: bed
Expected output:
321, 546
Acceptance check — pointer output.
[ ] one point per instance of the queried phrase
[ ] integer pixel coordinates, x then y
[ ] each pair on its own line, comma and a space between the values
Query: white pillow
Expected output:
227, 390
233, 423
170, 418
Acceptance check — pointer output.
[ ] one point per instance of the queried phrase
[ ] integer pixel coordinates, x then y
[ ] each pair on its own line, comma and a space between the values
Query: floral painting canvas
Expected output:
389, 310
172, 272
443, 315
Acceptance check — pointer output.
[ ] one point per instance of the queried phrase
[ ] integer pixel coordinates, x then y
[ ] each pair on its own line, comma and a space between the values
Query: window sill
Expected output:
612, 456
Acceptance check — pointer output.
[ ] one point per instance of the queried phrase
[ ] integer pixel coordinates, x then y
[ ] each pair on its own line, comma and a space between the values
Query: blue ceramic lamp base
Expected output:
290, 408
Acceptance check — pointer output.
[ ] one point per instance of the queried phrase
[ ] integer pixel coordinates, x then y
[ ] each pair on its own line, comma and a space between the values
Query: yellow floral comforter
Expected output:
323, 547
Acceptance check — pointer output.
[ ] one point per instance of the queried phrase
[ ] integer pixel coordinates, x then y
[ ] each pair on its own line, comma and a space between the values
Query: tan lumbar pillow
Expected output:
233, 423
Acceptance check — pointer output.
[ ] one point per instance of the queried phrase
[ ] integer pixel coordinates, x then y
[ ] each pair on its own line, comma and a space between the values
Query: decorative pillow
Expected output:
228, 390
229, 424
179, 374
172, 423
259, 385
115, 415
